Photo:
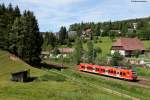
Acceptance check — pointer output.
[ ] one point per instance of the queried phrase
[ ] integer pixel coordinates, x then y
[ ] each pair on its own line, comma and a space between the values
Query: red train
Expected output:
118, 72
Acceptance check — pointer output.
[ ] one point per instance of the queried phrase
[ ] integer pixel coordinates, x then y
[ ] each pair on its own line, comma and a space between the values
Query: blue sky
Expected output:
52, 14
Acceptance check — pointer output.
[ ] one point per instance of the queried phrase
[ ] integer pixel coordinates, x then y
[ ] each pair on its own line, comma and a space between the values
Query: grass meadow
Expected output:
47, 86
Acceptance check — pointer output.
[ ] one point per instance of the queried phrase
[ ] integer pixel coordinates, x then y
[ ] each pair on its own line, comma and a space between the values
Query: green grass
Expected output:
144, 72
147, 44
120, 86
105, 45
47, 86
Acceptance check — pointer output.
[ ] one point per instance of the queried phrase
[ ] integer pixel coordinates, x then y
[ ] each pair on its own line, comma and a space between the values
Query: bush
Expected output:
117, 59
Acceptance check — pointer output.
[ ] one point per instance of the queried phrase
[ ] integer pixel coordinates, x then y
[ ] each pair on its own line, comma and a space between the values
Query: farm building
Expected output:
21, 76
86, 34
62, 52
45, 54
127, 46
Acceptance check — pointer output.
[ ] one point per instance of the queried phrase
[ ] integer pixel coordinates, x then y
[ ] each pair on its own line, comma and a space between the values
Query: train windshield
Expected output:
134, 71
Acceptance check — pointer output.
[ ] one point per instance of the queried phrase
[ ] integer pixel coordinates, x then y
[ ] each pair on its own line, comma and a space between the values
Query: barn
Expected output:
21, 76
127, 46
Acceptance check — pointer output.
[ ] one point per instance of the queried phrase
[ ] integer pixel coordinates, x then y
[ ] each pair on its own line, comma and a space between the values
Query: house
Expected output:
63, 52
127, 46
86, 34
45, 54
130, 30
135, 25
70, 33
66, 50
116, 31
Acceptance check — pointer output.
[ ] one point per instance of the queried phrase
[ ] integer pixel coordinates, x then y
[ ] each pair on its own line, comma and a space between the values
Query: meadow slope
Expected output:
47, 86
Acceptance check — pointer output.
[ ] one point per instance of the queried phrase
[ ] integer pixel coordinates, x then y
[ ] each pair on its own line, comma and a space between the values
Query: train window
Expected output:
114, 72
124, 74
90, 68
120, 73
82, 67
103, 70
97, 69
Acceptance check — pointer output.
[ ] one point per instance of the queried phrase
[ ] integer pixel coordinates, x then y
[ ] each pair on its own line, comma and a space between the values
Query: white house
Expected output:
127, 46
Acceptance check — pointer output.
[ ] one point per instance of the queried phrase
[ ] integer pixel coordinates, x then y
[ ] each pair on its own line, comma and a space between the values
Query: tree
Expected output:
15, 36
49, 40
78, 52
63, 36
56, 51
28, 40
90, 51
112, 35
117, 59
97, 30
2, 26
17, 12
7, 17
137, 53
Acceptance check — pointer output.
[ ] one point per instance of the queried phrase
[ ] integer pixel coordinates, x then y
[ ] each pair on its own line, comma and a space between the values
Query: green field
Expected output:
105, 45
47, 86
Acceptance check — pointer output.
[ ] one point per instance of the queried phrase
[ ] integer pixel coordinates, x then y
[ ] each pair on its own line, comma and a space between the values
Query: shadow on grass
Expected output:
30, 79
49, 66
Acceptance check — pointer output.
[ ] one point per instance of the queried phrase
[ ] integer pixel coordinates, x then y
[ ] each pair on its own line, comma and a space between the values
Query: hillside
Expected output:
49, 85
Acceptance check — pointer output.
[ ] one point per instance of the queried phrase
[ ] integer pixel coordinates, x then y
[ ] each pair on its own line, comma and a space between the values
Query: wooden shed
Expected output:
21, 76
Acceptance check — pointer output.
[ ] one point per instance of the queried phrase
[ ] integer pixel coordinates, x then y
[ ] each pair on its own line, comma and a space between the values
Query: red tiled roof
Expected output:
129, 44
66, 50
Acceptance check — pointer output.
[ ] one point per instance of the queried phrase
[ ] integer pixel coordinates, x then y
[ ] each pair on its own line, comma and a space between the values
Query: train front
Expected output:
134, 74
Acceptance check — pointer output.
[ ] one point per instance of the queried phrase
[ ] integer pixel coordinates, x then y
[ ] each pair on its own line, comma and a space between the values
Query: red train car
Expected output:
118, 72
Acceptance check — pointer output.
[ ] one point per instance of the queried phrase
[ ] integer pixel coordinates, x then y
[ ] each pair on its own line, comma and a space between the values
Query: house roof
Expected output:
66, 50
129, 44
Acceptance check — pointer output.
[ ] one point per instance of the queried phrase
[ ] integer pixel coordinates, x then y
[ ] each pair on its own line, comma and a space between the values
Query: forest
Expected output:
141, 29
19, 33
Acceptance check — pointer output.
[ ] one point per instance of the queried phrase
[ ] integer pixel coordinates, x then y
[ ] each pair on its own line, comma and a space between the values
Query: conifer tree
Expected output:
78, 51
26, 39
90, 51
63, 36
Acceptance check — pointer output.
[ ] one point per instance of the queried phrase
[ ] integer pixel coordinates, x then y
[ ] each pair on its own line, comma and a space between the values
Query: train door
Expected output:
85, 68
106, 72
118, 73
94, 69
